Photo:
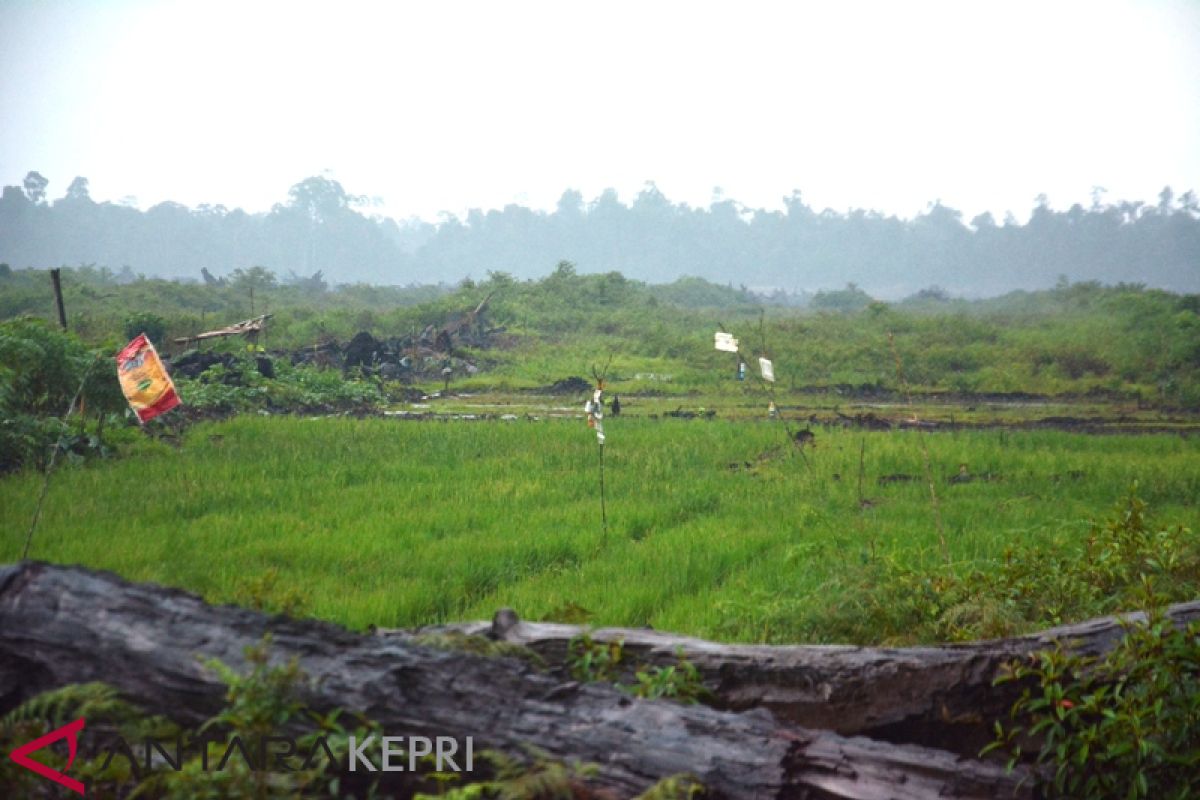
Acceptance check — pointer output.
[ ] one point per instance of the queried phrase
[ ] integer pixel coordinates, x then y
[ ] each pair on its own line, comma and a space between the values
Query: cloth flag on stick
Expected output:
595, 414
144, 380
768, 369
725, 342
595, 419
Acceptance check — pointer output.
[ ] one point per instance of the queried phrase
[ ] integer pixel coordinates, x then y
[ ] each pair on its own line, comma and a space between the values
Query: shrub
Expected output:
1076, 362
849, 299
41, 369
242, 387
1126, 725
154, 326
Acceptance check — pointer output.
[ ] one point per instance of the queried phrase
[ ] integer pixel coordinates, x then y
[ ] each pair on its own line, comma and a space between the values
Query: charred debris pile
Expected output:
431, 353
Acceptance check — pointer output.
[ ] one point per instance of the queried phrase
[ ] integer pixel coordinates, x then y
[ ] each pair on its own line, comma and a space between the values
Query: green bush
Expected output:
849, 299
154, 326
1126, 725
242, 388
41, 369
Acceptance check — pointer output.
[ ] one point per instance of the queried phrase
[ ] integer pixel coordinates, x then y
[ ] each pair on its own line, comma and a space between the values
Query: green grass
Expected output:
397, 523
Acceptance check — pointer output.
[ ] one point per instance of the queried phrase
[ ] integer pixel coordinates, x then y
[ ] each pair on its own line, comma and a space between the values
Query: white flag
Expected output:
595, 414
725, 342
768, 370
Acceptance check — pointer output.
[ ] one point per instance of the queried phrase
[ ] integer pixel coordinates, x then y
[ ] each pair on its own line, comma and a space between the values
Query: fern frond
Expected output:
59, 706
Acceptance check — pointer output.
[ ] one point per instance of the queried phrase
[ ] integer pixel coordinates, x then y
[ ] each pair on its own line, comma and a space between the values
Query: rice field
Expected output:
716, 528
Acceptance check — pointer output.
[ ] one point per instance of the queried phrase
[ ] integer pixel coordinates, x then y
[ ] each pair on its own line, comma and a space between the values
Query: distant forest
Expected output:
323, 229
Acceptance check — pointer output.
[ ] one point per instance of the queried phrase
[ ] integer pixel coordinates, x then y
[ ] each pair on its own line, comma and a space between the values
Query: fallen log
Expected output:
941, 696
62, 625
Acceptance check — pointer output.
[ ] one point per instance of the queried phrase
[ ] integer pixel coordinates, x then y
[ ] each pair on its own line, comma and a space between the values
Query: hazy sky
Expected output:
444, 106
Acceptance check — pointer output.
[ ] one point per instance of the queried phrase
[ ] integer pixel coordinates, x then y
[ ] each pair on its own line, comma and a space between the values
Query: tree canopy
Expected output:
323, 229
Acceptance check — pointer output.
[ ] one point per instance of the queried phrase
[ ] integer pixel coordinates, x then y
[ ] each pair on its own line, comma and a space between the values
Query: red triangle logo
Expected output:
70, 732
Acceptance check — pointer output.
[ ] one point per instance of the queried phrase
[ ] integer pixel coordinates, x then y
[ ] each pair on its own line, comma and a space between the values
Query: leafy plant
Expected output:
149, 323
267, 593
541, 778
591, 661
103, 708
261, 702
674, 787
1126, 725
41, 370
680, 682
241, 387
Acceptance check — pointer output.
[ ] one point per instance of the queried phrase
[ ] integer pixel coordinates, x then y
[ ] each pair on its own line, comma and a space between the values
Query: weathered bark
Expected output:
939, 696
63, 625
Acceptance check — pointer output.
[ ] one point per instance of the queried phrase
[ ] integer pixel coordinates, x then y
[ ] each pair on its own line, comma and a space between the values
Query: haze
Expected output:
448, 106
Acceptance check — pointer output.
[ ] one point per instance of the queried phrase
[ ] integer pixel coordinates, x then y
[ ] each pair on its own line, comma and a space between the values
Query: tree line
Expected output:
324, 229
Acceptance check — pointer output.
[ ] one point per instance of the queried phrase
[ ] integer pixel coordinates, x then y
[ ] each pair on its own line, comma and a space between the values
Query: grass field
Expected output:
716, 528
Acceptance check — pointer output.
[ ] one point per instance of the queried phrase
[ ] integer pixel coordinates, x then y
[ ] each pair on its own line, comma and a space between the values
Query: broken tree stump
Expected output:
62, 625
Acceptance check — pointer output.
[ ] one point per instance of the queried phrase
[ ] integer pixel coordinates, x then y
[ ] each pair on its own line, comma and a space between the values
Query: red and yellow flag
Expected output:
144, 380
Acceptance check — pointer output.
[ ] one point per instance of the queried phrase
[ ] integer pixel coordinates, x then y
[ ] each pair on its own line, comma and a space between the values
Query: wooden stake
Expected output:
599, 376
862, 455
787, 428
56, 282
603, 511
37, 511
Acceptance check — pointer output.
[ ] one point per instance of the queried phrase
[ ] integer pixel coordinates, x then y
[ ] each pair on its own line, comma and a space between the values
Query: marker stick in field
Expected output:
595, 420
595, 414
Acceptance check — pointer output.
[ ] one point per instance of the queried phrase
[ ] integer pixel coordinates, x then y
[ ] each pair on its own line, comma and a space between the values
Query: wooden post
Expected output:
862, 457
603, 509
56, 281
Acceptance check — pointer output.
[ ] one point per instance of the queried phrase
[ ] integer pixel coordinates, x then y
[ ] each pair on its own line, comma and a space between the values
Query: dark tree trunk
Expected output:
62, 625
939, 696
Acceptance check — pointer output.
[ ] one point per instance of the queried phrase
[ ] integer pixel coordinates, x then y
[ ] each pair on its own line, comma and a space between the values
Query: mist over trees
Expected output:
322, 228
